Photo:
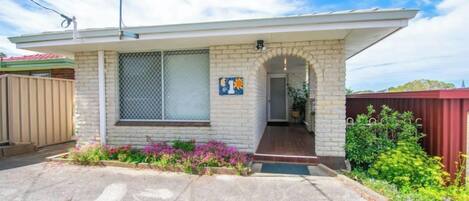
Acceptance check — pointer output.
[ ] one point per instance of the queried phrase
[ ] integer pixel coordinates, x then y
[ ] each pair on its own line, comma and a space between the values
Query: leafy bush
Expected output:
163, 161
136, 157
119, 153
365, 141
388, 158
456, 190
408, 166
88, 154
184, 145
391, 191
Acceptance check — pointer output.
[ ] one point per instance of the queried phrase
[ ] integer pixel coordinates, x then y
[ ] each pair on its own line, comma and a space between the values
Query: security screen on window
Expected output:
165, 85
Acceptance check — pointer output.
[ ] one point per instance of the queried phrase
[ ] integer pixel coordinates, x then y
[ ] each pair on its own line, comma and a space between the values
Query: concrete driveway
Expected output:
53, 181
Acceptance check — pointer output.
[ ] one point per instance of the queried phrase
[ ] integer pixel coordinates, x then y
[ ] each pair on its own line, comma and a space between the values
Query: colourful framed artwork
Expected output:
230, 86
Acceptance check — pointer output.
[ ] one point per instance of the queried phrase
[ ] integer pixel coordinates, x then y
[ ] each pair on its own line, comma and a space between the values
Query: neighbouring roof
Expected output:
359, 28
33, 57
35, 62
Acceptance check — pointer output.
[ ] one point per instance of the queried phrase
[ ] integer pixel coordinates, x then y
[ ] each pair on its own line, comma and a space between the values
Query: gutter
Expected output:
36, 64
15, 69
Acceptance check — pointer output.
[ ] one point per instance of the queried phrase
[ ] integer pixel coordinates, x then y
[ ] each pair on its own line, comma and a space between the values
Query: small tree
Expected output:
2, 55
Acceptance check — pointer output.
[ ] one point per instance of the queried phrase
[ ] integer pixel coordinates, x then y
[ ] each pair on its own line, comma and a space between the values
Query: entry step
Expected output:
309, 160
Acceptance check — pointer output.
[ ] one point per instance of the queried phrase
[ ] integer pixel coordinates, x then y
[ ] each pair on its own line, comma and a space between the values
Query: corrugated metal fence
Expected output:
36, 110
444, 115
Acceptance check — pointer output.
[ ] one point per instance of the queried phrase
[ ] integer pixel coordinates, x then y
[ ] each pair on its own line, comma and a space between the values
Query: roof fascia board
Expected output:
236, 24
222, 32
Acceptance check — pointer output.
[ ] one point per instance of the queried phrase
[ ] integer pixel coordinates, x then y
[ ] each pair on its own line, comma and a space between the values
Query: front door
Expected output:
277, 98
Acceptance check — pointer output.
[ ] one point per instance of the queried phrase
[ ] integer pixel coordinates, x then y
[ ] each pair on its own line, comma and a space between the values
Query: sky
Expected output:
435, 45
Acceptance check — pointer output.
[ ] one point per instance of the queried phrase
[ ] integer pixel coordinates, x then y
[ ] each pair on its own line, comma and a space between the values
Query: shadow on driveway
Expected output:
36, 157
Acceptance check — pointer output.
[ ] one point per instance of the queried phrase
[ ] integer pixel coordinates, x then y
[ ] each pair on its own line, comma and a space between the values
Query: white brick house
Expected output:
165, 84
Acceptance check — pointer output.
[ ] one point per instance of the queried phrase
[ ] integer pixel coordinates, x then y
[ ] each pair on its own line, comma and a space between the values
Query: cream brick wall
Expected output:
261, 104
86, 97
236, 120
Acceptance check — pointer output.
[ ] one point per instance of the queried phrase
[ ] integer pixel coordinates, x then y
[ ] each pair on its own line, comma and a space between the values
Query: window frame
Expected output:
162, 121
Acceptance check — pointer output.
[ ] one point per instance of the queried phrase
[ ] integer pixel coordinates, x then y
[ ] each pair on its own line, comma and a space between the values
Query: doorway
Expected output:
277, 99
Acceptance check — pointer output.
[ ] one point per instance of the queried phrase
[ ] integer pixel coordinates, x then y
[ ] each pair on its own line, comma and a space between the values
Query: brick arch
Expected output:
274, 52
308, 57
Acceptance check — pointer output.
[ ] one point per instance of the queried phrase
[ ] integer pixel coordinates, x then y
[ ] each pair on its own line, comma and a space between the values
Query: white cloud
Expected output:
104, 13
10, 49
430, 48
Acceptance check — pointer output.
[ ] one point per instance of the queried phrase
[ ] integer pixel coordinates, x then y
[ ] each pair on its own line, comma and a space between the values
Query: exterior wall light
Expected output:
260, 45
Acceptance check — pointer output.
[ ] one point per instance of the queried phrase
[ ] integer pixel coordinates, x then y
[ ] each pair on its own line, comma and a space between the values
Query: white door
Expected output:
277, 99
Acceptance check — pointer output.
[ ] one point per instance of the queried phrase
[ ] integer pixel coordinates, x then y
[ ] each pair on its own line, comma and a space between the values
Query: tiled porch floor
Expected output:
286, 140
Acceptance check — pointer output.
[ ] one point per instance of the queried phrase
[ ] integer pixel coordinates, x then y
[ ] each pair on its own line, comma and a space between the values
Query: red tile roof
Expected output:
33, 57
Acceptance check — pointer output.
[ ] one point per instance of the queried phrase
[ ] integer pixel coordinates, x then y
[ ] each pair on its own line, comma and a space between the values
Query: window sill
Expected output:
163, 123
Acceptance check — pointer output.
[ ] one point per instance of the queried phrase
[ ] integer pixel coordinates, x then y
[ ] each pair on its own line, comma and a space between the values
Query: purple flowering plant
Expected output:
182, 155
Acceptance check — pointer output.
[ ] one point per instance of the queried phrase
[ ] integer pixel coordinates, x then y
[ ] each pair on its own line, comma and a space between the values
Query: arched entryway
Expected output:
289, 107
287, 87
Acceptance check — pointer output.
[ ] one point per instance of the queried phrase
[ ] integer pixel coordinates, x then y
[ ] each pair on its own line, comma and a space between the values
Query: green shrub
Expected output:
382, 187
186, 146
186, 166
164, 161
88, 154
391, 191
453, 193
136, 157
408, 166
407, 173
365, 141
210, 160
119, 153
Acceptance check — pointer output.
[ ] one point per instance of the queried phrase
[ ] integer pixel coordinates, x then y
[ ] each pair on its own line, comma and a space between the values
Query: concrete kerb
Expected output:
61, 158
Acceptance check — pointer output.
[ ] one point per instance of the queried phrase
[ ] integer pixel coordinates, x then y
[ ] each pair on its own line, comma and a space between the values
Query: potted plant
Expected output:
299, 97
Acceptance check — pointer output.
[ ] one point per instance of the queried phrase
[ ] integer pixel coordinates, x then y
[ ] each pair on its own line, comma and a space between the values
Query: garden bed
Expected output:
386, 156
210, 158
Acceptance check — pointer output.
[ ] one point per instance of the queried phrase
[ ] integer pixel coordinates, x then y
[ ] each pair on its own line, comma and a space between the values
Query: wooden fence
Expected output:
36, 110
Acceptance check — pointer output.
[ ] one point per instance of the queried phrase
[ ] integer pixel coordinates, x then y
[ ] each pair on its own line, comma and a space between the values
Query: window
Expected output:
164, 86
40, 73
44, 73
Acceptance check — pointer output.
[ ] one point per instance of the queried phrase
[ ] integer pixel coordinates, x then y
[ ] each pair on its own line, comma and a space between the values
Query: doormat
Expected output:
281, 168
278, 124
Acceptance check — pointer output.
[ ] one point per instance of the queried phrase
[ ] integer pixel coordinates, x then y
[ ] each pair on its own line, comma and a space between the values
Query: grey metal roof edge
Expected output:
319, 18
